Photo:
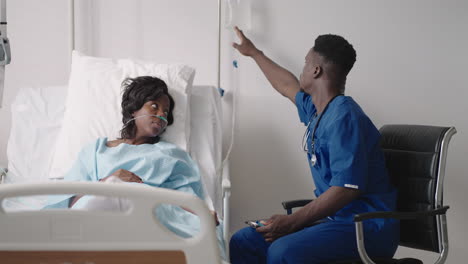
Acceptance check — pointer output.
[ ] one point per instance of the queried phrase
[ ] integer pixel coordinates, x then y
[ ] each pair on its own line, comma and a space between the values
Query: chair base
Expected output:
380, 261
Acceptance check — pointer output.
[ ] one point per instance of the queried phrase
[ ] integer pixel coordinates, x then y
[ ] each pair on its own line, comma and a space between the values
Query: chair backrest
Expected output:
415, 158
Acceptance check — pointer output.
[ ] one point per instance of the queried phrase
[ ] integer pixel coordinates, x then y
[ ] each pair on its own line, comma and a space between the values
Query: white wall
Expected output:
411, 63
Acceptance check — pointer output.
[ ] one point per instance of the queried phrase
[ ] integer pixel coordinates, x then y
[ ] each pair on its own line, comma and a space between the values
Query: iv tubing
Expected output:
71, 36
218, 80
235, 96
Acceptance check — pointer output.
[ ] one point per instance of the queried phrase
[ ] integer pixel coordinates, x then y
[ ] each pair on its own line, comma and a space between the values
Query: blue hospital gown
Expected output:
160, 165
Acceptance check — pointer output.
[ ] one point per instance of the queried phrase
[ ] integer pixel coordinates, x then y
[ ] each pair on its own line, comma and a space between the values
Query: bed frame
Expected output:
76, 236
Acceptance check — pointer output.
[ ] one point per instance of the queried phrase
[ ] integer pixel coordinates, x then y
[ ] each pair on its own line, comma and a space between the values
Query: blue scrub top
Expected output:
348, 155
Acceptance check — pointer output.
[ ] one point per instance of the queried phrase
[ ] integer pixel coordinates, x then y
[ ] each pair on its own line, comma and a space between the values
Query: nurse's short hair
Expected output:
337, 50
136, 92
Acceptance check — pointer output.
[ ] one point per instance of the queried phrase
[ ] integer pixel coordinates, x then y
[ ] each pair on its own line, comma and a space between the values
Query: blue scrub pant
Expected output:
329, 241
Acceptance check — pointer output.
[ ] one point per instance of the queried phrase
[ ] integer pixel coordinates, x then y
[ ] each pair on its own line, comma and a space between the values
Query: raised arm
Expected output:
281, 79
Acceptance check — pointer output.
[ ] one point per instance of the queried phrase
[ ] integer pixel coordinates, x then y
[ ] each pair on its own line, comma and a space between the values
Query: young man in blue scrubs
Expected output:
345, 159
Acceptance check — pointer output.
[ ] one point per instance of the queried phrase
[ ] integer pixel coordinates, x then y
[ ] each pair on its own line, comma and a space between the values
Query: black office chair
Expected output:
415, 157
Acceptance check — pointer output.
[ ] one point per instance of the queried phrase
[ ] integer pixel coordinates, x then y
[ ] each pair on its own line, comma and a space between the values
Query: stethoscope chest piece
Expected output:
313, 159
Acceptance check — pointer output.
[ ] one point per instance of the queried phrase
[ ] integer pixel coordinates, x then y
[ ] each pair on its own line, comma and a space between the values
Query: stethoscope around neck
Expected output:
313, 157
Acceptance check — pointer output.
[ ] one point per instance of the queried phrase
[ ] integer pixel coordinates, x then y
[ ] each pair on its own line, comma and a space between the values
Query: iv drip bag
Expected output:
238, 13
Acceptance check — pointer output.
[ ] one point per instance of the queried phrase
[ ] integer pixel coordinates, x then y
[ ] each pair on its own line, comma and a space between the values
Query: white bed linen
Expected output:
36, 118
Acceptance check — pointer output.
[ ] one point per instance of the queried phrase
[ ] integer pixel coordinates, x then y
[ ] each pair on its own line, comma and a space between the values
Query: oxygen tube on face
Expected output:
160, 117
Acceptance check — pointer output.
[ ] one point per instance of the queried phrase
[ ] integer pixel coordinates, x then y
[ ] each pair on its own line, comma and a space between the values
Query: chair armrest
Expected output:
400, 215
295, 203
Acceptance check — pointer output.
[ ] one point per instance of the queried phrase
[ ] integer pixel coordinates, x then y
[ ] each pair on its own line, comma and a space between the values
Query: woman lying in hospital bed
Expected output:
140, 157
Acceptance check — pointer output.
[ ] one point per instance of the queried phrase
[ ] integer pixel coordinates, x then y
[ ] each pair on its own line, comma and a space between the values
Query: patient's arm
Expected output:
122, 174
125, 175
281, 79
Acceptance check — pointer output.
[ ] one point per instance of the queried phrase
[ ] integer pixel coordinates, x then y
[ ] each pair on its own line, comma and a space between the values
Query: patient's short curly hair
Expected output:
337, 50
136, 92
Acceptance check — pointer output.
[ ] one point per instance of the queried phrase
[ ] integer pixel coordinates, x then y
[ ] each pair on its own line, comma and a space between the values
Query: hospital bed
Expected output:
72, 236
37, 119
37, 125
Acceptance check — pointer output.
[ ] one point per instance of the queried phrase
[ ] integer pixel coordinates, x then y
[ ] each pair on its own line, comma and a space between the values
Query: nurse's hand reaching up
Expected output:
125, 175
277, 226
246, 47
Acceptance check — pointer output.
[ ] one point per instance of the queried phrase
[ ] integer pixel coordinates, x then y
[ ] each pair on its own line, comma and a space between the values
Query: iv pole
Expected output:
5, 55
71, 32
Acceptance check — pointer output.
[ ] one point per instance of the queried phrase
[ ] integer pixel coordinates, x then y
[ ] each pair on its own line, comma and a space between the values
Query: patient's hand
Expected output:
213, 213
125, 175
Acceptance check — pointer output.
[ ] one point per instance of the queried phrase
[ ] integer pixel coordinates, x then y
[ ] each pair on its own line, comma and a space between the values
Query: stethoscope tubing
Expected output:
307, 132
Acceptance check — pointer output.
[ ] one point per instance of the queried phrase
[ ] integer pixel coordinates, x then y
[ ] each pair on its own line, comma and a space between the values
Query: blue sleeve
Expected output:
305, 107
348, 155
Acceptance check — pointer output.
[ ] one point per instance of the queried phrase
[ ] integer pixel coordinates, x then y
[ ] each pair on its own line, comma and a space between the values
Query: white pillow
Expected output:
93, 104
